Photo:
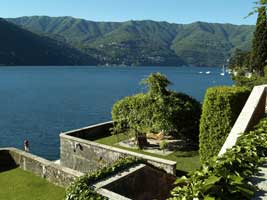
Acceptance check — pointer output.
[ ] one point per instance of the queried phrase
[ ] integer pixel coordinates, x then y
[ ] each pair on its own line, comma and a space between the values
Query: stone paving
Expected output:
261, 181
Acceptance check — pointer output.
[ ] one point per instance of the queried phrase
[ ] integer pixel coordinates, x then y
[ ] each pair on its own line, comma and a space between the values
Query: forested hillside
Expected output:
22, 47
145, 42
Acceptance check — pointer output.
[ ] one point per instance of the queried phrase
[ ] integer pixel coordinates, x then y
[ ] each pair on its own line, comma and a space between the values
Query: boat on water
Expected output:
200, 72
223, 71
207, 72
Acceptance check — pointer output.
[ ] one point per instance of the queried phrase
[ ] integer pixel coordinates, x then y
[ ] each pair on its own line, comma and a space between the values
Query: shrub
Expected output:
249, 82
163, 144
227, 178
158, 110
221, 108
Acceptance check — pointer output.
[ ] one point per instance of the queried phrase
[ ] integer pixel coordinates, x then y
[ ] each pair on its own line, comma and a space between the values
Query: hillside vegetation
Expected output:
145, 42
22, 47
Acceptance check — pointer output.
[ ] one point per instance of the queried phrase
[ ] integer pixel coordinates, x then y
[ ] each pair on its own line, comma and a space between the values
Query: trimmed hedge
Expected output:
220, 110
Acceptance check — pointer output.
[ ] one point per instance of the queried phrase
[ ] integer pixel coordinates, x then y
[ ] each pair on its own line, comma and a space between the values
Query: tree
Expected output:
239, 60
157, 110
259, 46
259, 3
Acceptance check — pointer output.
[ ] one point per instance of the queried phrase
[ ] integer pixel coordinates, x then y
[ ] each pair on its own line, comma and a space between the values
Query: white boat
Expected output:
200, 72
223, 71
207, 72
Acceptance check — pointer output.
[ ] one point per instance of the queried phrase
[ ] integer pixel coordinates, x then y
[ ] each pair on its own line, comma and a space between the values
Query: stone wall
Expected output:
143, 184
87, 156
92, 132
54, 173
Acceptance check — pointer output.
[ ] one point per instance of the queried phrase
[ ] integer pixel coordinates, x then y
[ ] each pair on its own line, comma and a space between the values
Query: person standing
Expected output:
26, 146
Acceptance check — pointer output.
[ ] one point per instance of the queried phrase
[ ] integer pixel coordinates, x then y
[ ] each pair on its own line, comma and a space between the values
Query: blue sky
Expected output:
176, 11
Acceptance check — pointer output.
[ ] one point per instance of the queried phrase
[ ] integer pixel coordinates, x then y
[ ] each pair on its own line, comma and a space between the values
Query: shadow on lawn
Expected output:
4, 169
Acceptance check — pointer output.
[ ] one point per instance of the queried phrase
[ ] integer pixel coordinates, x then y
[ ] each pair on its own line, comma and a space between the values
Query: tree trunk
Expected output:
141, 140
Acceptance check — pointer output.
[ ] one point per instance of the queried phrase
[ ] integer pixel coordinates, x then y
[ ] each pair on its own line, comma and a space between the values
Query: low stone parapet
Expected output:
86, 156
54, 173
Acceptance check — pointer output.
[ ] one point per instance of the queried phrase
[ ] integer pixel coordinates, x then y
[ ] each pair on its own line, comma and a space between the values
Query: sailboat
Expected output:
223, 71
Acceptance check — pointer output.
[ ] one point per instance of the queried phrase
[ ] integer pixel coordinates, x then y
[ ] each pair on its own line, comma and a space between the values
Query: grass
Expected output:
186, 160
16, 184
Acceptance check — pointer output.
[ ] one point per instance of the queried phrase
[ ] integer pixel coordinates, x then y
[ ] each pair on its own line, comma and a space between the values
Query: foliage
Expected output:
254, 62
226, 177
146, 42
82, 189
258, 4
26, 48
249, 82
157, 84
259, 47
163, 144
157, 110
239, 60
221, 108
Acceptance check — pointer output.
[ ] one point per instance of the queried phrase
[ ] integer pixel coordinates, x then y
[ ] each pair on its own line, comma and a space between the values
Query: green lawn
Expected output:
17, 184
186, 160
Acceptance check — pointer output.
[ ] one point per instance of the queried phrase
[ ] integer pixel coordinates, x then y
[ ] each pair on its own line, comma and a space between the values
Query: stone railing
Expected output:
54, 173
253, 110
79, 152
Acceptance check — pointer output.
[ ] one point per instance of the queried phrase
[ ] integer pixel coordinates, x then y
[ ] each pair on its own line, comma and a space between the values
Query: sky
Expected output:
174, 11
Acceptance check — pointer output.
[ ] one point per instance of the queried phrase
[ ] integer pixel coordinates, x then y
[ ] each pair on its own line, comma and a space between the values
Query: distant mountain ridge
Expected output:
22, 47
145, 42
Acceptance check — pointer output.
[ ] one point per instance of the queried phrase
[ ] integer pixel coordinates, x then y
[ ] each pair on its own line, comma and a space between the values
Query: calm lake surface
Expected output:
38, 103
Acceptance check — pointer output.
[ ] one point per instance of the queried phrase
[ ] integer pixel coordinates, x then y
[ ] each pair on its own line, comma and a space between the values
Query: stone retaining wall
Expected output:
92, 132
54, 173
144, 183
87, 156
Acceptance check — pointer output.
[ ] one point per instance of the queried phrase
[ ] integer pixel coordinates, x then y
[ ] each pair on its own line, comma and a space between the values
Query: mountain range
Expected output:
135, 42
22, 47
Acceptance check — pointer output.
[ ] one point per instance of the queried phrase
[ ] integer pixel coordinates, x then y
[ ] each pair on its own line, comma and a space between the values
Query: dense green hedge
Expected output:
81, 189
221, 108
227, 178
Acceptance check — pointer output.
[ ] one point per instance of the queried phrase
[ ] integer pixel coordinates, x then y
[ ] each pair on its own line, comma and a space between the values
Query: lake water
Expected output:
38, 103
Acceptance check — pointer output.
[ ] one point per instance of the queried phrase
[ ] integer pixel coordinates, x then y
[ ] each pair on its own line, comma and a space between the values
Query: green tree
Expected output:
259, 3
157, 110
259, 48
239, 60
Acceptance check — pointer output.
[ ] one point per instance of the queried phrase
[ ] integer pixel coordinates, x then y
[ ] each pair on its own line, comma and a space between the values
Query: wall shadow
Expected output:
6, 161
